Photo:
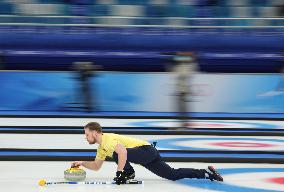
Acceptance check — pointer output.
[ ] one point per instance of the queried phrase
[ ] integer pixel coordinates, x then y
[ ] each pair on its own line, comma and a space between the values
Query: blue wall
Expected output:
155, 92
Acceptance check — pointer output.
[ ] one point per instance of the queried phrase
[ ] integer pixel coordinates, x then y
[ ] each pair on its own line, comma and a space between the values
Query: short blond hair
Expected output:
94, 126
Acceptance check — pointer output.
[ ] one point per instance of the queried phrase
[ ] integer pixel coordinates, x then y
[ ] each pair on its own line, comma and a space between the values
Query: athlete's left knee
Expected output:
115, 156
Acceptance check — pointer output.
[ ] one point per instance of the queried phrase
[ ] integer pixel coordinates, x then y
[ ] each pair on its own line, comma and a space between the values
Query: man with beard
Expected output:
125, 150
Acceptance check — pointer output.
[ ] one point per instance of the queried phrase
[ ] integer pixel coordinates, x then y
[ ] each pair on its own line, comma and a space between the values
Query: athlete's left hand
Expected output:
120, 177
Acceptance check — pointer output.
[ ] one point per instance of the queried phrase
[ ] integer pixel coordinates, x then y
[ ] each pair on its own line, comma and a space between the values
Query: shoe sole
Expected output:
131, 177
220, 178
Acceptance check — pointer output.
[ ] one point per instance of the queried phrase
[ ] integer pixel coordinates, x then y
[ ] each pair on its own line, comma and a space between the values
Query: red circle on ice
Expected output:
277, 180
241, 144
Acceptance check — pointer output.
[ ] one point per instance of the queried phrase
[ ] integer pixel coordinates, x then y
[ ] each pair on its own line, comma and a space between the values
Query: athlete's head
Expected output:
92, 131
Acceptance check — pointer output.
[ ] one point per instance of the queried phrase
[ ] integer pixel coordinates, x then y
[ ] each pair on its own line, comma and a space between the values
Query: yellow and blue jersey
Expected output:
110, 140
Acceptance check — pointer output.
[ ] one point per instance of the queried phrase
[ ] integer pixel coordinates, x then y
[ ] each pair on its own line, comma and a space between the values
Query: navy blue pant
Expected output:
149, 157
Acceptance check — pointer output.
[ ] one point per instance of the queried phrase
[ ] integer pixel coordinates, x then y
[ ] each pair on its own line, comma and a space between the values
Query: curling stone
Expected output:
75, 174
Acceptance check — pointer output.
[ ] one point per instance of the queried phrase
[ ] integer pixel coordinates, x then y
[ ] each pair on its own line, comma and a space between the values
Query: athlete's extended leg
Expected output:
149, 157
153, 162
162, 169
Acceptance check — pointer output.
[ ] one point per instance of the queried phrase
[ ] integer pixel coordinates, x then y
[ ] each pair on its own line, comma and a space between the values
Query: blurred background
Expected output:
201, 78
188, 58
185, 58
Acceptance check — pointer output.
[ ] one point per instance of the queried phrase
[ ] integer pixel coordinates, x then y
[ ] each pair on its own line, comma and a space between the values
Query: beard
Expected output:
92, 142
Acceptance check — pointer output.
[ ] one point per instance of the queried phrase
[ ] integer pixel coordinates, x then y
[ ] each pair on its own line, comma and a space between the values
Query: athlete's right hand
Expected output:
76, 163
